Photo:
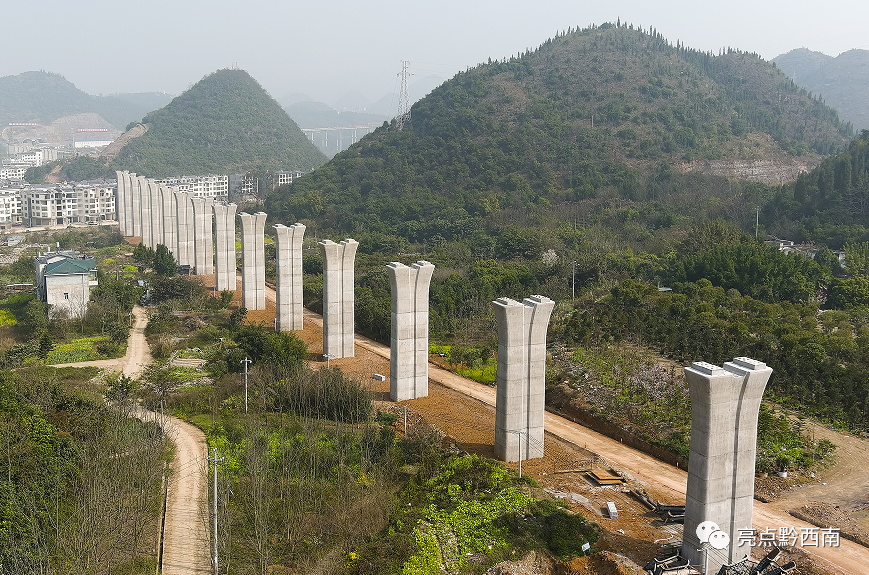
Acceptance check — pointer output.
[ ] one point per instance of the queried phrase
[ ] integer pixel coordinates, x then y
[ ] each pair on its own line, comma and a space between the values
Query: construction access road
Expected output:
848, 558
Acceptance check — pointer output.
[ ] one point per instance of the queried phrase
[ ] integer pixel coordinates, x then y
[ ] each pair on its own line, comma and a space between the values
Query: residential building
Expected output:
10, 207
64, 280
283, 178
211, 186
68, 203
13, 171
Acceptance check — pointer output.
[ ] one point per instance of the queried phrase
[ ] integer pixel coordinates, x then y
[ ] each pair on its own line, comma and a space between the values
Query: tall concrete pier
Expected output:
725, 402
521, 376
184, 227
156, 213
338, 297
408, 358
253, 260
144, 212
121, 201
170, 222
224, 232
134, 210
203, 250
288, 248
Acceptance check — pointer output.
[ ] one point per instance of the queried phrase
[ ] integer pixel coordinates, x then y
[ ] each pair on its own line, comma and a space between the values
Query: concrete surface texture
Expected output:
521, 376
134, 216
203, 238
156, 213
725, 402
253, 260
184, 228
143, 212
170, 225
224, 235
288, 248
121, 201
338, 297
129, 183
408, 364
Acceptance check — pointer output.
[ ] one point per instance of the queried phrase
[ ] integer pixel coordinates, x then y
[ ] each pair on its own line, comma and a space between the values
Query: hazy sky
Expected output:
327, 48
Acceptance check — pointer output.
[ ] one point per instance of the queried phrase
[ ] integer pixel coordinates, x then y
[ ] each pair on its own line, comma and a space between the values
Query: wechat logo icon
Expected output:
710, 532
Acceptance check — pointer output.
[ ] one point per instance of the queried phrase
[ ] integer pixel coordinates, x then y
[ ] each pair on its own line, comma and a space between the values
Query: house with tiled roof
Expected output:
64, 280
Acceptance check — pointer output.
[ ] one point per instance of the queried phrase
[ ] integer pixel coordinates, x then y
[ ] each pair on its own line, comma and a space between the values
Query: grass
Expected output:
81, 349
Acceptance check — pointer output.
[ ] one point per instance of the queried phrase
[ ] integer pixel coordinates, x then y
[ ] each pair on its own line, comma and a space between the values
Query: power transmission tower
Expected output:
214, 459
403, 116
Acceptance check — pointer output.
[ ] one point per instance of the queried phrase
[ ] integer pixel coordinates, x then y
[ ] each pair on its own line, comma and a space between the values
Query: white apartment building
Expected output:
32, 158
210, 186
10, 207
68, 203
13, 171
283, 178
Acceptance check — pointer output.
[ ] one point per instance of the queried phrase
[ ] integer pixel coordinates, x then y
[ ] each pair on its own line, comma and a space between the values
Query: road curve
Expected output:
186, 530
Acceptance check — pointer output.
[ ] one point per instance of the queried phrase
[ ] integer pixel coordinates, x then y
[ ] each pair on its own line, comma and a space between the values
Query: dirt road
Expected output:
138, 354
186, 531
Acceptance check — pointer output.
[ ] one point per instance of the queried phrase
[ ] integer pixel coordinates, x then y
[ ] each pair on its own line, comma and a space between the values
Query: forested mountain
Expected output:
843, 81
830, 204
608, 114
225, 123
43, 97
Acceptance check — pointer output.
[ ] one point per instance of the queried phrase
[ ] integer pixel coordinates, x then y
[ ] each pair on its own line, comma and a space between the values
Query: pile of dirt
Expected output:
826, 515
532, 564
601, 563
770, 488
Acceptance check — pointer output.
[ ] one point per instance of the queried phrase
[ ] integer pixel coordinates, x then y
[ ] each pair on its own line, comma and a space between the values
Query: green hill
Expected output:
842, 81
225, 123
829, 205
595, 117
43, 97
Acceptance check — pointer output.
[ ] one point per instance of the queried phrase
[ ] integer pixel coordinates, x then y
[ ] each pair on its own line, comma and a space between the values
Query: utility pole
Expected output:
756, 221
214, 459
245, 361
573, 280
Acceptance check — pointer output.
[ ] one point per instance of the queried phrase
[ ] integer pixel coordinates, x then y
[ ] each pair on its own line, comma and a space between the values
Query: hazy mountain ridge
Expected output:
43, 97
225, 123
842, 81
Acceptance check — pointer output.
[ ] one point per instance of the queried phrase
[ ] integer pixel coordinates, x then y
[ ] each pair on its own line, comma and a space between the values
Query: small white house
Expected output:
64, 280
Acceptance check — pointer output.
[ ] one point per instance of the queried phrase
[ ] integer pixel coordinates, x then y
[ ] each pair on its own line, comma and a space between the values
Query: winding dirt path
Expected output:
138, 354
186, 531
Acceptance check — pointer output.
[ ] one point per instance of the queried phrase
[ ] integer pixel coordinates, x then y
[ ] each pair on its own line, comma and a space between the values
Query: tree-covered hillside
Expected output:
43, 97
830, 204
608, 112
225, 123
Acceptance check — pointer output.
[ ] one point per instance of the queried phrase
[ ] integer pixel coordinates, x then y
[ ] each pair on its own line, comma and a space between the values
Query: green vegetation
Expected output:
76, 169
522, 143
829, 205
80, 491
819, 358
225, 123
